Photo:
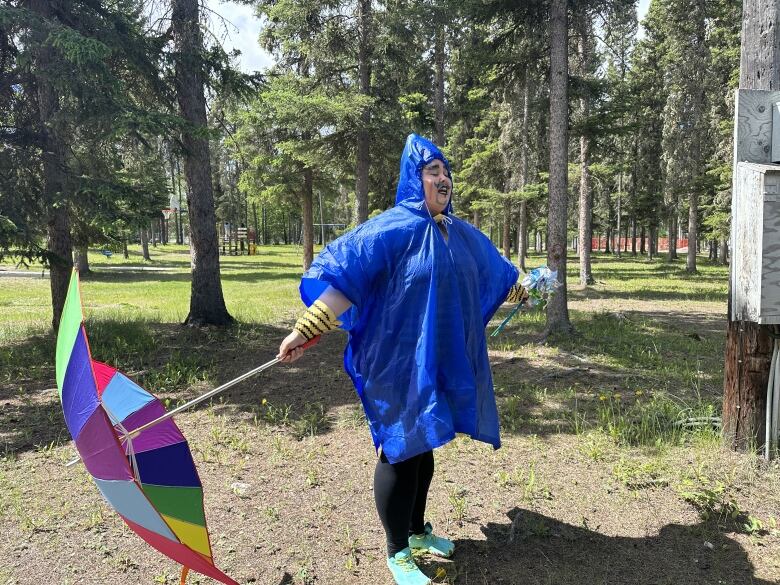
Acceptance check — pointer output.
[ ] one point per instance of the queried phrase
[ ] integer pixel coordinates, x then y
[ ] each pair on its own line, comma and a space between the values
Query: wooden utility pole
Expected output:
748, 345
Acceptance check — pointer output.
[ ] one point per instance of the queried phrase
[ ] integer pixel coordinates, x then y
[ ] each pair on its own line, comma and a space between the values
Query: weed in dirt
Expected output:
125, 564
511, 413
595, 445
180, 371
304, 576
353, 418
709, 495
459, 503
313, 421
312, 478
657, 421
276, 415
637, 475
352, 548
282, 450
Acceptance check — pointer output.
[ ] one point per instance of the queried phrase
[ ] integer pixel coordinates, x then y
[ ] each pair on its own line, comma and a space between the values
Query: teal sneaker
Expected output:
429, 542
405, 571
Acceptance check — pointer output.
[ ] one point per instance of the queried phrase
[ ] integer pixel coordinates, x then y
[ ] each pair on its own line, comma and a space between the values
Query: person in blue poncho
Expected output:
415, 288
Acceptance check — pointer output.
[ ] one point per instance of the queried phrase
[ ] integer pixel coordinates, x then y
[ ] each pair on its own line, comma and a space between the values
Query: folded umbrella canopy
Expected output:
147, 476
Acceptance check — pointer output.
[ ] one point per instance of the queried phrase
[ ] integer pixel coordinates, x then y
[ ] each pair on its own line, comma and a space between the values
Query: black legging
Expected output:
401, 491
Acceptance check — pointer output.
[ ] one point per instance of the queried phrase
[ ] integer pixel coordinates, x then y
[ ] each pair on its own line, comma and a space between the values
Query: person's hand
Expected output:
289, 350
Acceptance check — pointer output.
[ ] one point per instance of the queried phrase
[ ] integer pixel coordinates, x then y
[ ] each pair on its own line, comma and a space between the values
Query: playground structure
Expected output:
238, 240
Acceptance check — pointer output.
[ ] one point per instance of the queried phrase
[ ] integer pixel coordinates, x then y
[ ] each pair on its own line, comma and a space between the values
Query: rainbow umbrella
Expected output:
146, 474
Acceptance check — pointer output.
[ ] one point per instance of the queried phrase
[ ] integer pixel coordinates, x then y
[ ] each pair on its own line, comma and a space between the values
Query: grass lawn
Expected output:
612, 470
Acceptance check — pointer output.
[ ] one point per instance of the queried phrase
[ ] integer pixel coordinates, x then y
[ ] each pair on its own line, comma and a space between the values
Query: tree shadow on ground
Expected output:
172, 361
533, 549
650, 295
260, 272
655, 272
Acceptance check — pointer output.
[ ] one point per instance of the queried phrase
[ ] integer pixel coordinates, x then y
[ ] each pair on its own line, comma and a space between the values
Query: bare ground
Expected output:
289, 498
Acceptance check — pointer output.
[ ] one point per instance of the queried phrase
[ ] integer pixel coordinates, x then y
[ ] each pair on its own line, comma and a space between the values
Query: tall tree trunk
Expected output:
724, 251
55, 193
256, 224
586, 198
748, 345
506, 229
557, 307
207, 303
619, 213
145, 243
180, 235
652, 247
364, 132
307, 212
175, 190
642, 249
81, 258
625, 238
693, 231
522, 235
477, 219
263, 226
439, 57
125, 252
522, 231
655, 241
633, 237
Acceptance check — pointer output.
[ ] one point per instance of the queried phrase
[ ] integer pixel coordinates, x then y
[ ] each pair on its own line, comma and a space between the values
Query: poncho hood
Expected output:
417, 153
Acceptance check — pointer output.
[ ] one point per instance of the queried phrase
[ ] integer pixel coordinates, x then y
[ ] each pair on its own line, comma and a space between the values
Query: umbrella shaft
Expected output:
199, 399
193, 402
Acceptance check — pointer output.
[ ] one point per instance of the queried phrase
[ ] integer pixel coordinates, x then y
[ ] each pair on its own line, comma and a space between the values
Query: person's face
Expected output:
437, 185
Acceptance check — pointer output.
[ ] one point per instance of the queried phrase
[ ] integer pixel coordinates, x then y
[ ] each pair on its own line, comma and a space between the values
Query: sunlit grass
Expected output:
257, 289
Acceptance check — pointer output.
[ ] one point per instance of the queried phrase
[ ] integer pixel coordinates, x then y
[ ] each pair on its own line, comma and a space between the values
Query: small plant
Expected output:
636, 475
276, 415
311, 422
352, 418
655, 422
457, 498
180, 371
753, 526
709, 496
595, 445
353, 548
511, 413
312, 478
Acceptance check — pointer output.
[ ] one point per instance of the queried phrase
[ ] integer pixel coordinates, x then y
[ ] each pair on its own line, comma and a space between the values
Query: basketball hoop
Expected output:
167, 213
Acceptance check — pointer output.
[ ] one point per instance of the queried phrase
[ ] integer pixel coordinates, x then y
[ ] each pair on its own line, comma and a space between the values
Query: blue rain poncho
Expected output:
417, 352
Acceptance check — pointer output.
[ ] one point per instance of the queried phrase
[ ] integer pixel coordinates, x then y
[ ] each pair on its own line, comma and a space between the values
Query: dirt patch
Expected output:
288, 483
